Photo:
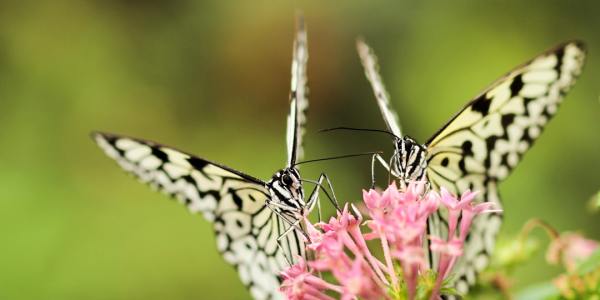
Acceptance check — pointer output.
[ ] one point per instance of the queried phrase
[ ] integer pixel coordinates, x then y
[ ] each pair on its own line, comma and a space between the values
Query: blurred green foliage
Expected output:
212, 78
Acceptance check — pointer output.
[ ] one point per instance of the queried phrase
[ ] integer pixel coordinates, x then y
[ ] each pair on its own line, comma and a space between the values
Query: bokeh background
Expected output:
213, 78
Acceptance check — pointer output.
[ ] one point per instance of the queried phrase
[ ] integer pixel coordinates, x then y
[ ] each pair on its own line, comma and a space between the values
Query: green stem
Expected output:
537, 223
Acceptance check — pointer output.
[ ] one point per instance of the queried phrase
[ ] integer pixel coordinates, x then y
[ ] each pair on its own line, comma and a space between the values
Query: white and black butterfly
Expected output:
483, 142
255, 221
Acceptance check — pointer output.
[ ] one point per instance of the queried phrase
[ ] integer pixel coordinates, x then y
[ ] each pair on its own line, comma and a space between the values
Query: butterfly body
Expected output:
287, 193
409, 160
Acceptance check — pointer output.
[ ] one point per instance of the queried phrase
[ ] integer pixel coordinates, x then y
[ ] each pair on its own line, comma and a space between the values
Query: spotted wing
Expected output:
369, 62
479, 146
246, 229
296, 120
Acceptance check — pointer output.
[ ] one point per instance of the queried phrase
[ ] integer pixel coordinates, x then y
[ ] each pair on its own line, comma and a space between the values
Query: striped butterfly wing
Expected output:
296, 120
485, 141
369, 62
246, 229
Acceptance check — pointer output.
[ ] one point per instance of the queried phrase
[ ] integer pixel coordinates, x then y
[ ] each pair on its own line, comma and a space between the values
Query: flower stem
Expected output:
535, 223
388, 260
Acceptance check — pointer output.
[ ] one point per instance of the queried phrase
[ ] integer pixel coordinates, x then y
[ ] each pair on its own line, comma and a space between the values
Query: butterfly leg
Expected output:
391, 170
288, 255
314, 198
287, 260
319, 185
377, 158
292, 221
335, 202
293, 225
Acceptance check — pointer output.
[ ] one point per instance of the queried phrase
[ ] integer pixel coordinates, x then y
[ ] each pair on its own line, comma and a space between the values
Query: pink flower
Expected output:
357, 282
448, 252
397, 223
374, 202
411, 256
469, 212
453, 248
299, 283
570, 249
455, 207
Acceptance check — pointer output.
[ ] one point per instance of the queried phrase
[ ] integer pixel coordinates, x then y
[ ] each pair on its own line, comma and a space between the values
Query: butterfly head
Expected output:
286, 189
410, 159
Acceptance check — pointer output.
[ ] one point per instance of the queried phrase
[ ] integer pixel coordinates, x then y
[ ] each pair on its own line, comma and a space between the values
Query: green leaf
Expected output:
594, 203
545, 290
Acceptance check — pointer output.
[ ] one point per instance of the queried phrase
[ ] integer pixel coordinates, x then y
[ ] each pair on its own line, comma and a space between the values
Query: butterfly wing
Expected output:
296, 120
369, 62
480, 145
246, 229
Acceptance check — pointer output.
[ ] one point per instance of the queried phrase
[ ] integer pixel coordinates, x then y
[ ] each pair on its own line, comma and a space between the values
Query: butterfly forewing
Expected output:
246, 229
369, 62
485, 141
296, 120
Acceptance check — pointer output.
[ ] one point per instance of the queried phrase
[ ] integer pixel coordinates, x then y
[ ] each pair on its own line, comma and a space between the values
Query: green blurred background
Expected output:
213, 78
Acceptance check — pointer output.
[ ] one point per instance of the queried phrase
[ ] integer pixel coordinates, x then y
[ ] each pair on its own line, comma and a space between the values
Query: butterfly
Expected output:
256, 222
482, 143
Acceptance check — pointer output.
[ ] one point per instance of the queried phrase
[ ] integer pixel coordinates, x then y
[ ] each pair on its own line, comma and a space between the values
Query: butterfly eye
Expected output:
287, 180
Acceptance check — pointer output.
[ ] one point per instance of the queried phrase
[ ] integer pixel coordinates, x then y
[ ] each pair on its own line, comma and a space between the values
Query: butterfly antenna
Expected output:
338, 157
359, 129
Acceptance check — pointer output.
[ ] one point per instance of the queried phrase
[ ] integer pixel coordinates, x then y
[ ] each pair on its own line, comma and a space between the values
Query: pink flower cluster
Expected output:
397, 223
570, 249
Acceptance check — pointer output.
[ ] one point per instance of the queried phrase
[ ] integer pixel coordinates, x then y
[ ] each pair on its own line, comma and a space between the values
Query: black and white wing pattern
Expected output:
369, 62
485, 141
296, 120
246, 229
481, 144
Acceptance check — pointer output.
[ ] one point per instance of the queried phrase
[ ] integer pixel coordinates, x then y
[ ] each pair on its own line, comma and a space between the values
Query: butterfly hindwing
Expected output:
485, 141
246, 229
